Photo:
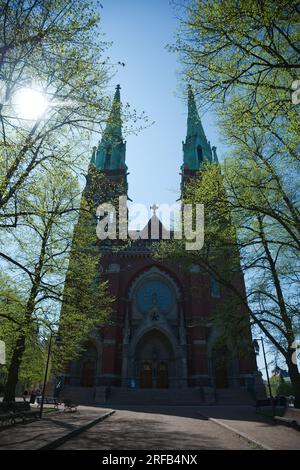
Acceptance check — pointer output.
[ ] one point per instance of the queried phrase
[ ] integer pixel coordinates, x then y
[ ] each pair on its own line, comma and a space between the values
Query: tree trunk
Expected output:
295, 380
14, 367
13, 372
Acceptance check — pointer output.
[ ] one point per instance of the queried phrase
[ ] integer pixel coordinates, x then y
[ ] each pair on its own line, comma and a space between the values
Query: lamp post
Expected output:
46, 370
256, 349
46, 374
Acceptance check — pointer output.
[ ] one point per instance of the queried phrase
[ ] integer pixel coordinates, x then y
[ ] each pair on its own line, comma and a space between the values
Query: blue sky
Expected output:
150, 82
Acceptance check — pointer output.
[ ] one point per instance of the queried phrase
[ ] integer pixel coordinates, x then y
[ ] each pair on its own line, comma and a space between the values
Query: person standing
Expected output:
32, 396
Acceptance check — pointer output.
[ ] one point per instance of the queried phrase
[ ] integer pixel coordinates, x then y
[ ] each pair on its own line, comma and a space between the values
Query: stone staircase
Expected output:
180, 396
185, 396
233, 396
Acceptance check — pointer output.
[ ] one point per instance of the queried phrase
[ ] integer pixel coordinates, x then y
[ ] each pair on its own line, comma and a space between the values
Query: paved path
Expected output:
37, 434
246, 421
155, 427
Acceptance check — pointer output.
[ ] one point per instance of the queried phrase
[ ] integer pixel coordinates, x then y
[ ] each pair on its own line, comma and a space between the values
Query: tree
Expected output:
239, 238
51, 51
12, 305
251, 48
41, 272
54, 48
242, 58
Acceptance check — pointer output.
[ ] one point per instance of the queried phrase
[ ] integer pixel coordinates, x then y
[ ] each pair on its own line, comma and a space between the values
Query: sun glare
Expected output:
30, 104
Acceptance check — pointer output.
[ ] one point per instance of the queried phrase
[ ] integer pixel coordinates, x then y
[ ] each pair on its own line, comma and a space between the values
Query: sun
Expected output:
30, 104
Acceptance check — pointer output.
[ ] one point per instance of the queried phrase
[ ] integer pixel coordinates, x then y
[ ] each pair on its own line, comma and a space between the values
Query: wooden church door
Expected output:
146, 375
162, 375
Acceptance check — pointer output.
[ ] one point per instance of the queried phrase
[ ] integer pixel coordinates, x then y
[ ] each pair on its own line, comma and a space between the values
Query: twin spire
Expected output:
114, 123
196, 148
110, 154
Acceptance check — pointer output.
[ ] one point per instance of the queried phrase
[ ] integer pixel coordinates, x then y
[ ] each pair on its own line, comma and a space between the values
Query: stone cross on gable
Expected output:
154, 208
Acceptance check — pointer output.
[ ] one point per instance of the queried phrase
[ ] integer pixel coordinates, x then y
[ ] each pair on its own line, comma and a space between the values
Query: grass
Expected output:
48, 411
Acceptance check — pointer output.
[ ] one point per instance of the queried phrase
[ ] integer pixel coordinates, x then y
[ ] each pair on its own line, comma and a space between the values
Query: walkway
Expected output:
245, 421
39, 433
157, 427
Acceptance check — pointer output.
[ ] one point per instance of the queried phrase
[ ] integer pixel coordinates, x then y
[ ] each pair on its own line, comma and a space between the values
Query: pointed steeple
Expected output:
110, 154
194, 125
196, 148
114, 123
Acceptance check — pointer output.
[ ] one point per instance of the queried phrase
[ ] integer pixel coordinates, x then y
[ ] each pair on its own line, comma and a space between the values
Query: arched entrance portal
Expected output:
154, 360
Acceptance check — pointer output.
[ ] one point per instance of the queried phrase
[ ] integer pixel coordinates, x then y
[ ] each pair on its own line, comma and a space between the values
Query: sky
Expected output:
150, 81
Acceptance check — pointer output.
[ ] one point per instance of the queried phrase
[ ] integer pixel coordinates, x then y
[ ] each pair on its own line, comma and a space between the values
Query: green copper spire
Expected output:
110, 154
114, 123
194, 125
196, 148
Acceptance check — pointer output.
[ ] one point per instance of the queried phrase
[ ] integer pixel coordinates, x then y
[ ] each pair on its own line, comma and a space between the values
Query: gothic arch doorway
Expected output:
154, 311
154, 358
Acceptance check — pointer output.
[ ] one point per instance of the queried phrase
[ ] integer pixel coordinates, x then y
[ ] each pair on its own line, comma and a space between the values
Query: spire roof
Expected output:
196, 148
114, 123
110, 154
194, 125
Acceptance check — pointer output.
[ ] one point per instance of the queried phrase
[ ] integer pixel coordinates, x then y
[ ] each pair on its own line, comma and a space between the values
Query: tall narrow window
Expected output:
108, 157
215, 288
199, 154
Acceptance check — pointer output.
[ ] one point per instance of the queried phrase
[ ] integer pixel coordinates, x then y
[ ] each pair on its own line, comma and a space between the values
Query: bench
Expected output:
23, 411
49, 401
11, 412
69, 405
291, 417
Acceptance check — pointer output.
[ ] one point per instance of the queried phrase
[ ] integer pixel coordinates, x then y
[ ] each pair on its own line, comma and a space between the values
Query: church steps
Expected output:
233, 396
185, 396
154, 396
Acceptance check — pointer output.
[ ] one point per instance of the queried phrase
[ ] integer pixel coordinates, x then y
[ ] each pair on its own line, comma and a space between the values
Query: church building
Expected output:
153, 342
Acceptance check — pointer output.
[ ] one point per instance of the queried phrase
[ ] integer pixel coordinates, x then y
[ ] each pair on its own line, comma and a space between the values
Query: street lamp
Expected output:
57, 340
256, 349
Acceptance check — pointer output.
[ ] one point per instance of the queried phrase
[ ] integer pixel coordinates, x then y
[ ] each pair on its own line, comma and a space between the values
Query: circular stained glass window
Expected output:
154, 292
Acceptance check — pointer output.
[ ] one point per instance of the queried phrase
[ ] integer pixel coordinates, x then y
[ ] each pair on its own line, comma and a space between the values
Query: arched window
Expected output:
199, 154
108, 157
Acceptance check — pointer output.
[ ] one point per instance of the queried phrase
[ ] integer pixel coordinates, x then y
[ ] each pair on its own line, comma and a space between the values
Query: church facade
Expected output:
154, 339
